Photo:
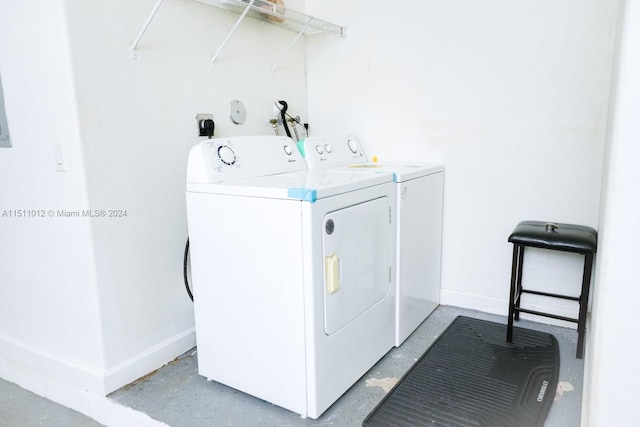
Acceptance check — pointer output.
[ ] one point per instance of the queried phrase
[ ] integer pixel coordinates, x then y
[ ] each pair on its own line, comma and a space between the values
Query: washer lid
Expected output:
304, 185
403, 171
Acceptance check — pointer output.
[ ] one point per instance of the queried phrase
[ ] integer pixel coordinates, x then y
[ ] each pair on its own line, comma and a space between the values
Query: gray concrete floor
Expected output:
19, 407
179, 397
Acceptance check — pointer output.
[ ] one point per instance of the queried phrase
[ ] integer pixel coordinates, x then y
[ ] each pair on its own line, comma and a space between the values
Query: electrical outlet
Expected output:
200, 118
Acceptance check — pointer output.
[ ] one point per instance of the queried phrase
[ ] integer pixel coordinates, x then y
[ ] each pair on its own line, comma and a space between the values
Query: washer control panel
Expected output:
225, 159
328, 152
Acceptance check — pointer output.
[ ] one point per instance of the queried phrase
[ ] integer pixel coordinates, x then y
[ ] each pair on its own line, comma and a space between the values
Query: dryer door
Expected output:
356, 249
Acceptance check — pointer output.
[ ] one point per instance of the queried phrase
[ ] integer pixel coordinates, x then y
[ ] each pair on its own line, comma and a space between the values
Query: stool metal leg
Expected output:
584, 302
514, 270
519, 282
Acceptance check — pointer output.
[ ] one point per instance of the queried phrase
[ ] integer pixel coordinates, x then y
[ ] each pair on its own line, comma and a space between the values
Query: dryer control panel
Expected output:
324, 152
225, 159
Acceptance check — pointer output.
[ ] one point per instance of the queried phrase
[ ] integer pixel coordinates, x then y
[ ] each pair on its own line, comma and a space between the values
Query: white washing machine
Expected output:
419, 224
293, 269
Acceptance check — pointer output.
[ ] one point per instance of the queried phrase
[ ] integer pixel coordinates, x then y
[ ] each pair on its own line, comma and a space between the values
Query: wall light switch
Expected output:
59, 158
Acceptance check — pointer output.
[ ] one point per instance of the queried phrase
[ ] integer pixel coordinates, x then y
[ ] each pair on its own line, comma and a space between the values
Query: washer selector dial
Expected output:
226, 155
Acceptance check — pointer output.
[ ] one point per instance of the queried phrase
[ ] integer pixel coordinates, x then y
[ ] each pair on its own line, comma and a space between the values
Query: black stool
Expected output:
559, 237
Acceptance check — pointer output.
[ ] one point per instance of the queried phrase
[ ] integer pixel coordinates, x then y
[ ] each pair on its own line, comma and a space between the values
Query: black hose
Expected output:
186, 279
283, 114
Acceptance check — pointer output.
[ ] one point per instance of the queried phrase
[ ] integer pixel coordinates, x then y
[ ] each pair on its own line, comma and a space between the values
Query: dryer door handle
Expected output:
332, 273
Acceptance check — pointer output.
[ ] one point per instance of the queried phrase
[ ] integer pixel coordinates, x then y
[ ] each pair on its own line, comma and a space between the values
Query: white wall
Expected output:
49, 311
510, 96
613, 349
106, 295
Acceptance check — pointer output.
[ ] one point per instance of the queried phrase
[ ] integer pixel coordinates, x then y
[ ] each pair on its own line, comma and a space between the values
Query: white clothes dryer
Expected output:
295, 295
419, 224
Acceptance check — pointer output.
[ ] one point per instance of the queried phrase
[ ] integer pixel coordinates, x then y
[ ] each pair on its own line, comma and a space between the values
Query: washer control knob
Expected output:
328, 148
353, 146
226, 155
319, 149
287, 150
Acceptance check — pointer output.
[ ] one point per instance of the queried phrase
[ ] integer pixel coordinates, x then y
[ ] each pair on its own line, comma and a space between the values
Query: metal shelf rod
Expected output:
235, 27
304, 28
144, 28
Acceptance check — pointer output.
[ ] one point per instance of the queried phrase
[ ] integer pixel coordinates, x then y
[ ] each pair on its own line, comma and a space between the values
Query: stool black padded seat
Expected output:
566, 237
559, 237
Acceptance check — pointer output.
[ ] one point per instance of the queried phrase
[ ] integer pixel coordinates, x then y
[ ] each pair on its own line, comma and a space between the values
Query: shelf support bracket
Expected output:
132, 51
233, 30
291, 45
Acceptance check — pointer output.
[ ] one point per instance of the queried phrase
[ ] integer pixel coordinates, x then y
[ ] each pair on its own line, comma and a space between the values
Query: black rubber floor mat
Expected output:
472, 377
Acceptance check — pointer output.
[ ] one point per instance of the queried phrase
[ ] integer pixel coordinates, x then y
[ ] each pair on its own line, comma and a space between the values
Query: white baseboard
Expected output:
84, 389
473, 301
90, 404
149, 360
20, 362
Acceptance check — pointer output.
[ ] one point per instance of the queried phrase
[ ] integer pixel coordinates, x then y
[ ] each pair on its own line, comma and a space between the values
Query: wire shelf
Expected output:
278, 15
267, 11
